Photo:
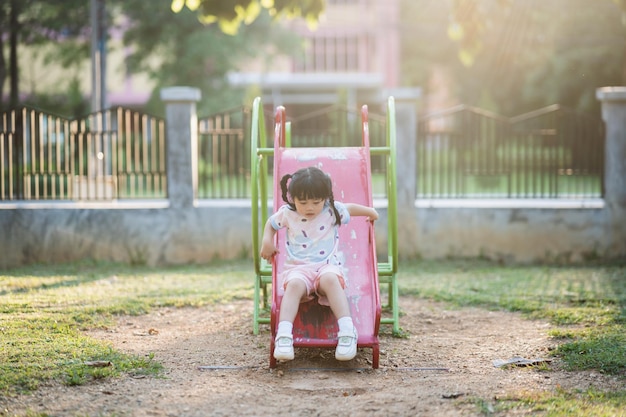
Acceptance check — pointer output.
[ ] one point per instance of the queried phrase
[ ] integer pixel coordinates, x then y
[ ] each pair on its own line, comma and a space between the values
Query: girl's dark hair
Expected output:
308, 183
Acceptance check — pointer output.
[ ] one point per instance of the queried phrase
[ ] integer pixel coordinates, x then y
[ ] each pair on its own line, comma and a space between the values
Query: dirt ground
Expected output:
215, 366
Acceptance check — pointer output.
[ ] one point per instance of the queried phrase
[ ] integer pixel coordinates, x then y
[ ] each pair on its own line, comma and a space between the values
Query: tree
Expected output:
32, 22
177, 49
472, 19
173, 48
514, 56
583, 52
232, 13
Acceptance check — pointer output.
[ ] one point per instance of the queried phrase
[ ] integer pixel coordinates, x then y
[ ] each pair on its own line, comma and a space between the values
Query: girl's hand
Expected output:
268, 244
268, 251
360, 210
373, 215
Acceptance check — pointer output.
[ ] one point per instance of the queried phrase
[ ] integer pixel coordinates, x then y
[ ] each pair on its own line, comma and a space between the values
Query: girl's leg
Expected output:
346, 337
283, 346
295, 290
330, 287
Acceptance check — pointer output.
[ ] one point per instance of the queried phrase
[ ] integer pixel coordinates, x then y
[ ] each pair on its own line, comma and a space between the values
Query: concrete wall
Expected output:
127, 233
160, 234
520, 235
183, 229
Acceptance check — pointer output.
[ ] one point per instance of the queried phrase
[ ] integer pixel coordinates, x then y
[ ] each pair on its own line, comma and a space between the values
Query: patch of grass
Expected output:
589, 300
588, 303
43, 309
603, 349
586, 403
41, 347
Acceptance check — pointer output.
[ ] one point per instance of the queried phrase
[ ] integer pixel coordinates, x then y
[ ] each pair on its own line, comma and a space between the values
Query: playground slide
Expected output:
350, 172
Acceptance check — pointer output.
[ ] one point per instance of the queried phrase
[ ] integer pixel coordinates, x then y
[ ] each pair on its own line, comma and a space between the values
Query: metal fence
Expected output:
224, 144
117, 153
224, 154
339, 125
553, 152
461, 152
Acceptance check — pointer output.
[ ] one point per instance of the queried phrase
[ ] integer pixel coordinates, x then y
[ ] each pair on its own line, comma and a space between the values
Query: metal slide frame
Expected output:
260, 153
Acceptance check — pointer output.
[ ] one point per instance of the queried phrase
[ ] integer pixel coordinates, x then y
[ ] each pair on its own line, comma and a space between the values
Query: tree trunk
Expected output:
13, 39
3, 71
624, 65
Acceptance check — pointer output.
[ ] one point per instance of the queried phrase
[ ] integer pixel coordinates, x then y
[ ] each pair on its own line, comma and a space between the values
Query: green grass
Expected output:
560, 403
587, 304
44, 308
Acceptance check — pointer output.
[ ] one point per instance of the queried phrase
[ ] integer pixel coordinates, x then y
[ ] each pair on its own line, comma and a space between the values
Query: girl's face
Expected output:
309, 208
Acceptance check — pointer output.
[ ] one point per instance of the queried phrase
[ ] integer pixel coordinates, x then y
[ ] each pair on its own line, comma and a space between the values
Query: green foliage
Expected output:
58, 25
514, 56
70, 103
232, 14
468, 20
176, 49
582, 51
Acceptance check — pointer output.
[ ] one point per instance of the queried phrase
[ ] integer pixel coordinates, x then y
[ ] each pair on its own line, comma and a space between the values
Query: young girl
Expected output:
312, 218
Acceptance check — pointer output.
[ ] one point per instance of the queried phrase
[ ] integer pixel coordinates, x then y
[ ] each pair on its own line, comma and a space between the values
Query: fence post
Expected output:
181, 123
614, 115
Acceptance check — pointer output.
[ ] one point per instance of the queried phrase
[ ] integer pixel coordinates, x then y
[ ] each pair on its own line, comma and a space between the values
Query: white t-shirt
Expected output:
310, 240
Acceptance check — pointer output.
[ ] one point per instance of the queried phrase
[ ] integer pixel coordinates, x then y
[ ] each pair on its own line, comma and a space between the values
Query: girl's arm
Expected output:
268, 246
360, 210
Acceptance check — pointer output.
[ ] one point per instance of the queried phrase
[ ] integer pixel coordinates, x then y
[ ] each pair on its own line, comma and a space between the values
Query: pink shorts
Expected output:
310, 275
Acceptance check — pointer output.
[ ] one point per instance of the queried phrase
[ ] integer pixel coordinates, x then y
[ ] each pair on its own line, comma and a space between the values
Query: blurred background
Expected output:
505, 56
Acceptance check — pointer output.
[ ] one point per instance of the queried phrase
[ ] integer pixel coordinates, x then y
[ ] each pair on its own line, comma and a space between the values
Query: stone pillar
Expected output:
406, 101
181, 144
614, 115
406, 104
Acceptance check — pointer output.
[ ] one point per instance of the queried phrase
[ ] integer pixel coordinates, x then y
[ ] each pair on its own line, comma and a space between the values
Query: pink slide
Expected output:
350, 171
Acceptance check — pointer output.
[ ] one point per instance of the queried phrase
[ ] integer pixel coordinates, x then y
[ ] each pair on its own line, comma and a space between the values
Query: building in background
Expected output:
352, 56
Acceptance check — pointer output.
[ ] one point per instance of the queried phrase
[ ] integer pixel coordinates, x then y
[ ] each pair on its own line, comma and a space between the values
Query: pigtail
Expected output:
331, 201
284, 189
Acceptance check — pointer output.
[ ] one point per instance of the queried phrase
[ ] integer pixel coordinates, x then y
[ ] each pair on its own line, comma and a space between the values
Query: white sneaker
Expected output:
346, 346
283, 348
